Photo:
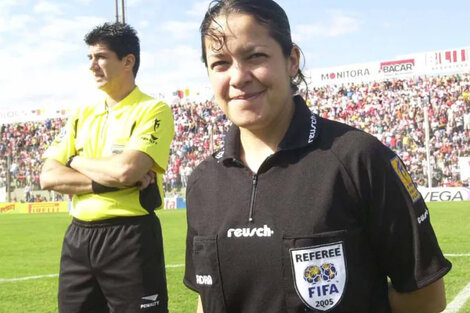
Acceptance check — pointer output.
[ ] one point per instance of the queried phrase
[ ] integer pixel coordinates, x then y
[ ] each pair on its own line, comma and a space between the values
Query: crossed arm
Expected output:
131, 168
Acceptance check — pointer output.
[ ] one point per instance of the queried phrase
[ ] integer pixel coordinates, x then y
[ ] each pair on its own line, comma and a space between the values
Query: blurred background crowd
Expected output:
392, 110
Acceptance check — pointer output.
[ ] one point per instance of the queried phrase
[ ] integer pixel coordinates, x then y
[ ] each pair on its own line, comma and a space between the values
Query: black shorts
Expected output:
114, 266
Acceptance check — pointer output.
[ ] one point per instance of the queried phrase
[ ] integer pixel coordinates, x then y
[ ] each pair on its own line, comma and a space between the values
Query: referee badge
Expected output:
405, 178
319, 275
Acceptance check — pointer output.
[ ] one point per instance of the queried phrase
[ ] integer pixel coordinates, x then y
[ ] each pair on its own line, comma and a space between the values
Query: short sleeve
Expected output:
399, 221
153, 133
63, 146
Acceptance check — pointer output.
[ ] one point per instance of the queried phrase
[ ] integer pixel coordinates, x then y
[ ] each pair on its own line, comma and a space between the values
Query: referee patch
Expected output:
319, 275
405, 178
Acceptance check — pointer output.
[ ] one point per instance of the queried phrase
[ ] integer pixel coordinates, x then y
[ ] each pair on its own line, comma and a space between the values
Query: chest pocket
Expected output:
119, 145
332, 271
119, 135
206, 269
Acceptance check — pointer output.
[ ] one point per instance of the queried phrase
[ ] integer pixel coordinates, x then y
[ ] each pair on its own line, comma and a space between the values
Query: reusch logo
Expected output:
423, 216
264, 231
313, 128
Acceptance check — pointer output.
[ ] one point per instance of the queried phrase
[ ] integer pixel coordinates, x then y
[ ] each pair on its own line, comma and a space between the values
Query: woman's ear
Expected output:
294, 61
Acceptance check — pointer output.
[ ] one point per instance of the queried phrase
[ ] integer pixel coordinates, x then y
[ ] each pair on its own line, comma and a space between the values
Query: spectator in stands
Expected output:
354, 104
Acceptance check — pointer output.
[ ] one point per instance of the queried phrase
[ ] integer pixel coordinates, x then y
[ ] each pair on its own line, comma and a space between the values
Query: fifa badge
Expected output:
319, 275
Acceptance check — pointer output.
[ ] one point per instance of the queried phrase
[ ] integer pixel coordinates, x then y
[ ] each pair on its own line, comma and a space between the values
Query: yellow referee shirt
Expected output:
138, 122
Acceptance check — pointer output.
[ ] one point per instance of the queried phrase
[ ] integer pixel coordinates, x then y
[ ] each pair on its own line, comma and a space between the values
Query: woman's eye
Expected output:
257, 55
218, 65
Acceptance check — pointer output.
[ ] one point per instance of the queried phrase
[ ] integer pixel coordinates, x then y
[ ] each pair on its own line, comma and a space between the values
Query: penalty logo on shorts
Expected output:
319, 275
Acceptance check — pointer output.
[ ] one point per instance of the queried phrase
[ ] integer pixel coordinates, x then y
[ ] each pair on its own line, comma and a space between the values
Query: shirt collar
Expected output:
303, 131
130, 99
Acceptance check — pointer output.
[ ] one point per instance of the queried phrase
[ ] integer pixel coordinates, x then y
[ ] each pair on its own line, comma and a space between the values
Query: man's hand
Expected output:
146, 180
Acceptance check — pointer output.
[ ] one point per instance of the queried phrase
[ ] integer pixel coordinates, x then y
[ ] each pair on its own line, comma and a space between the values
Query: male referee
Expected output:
111, 157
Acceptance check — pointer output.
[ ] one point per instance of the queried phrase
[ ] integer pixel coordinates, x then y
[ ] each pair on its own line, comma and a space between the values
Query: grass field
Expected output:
30, 250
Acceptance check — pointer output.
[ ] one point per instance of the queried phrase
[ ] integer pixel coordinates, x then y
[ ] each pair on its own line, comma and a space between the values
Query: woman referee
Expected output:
298, 213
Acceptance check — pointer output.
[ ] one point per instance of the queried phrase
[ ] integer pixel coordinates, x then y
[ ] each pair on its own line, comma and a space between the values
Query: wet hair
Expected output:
119, 38
266, 12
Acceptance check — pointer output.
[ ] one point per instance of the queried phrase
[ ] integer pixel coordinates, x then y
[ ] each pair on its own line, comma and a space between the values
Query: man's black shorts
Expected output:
114, 266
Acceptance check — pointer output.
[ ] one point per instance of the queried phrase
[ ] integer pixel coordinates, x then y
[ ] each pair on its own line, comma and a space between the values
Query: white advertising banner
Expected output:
356, 73
3, 194
398, 68
464, 165
170, 203
367, 72
438, 62
446, 61
445, 194
8, 116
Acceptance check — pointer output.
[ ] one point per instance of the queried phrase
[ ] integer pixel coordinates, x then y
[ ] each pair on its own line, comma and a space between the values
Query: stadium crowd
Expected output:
21, 147
394, 112
391, 110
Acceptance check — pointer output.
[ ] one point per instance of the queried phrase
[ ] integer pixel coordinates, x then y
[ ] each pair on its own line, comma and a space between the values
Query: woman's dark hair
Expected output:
120, 38
266, 12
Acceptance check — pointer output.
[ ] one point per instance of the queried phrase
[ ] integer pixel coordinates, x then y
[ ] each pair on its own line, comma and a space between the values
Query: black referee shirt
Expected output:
319, 228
